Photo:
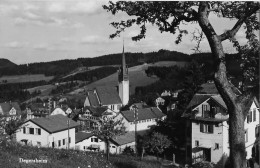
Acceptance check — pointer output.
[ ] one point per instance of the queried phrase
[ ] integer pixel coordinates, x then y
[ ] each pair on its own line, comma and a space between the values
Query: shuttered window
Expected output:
254, 114
206, 128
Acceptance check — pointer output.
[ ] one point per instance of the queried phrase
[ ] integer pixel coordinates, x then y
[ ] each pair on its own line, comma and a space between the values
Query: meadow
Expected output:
25, 78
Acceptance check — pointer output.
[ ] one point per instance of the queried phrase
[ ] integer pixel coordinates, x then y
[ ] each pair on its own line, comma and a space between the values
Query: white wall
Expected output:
33, 139
119, 149
208, 140
250, 127
55, 137
58, 111
124, 92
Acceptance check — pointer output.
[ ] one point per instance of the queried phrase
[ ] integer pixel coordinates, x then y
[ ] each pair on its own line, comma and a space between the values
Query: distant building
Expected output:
10, 110
146, 117
207, 129
49, 131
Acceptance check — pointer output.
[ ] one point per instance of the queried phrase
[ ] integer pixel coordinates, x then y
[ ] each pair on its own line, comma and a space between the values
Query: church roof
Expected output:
96, 111
92, 98
143, 114
108, 95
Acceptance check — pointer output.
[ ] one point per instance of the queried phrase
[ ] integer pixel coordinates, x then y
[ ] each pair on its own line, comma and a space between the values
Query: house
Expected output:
120, 142
111, 97
145, 118
10, 110
88, 141
207, 129
56, 131
37, 110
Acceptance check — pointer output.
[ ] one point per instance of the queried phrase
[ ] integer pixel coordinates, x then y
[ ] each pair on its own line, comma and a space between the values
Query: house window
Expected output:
254, 114
69, 140
257, 131
206, 128
31, 130
197, 143
38, 131
246, 135
216, 145
24, 130
52, 144
249, 117
59, 142
204, 108
63, 141
94, 139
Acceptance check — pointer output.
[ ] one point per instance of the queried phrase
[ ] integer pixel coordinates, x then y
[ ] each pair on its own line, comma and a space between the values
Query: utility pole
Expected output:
68, 123
135, 119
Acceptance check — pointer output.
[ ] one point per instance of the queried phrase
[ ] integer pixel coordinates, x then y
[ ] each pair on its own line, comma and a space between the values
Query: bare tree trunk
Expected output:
236, 116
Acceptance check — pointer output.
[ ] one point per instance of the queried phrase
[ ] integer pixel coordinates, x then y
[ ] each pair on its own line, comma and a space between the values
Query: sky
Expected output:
48, 30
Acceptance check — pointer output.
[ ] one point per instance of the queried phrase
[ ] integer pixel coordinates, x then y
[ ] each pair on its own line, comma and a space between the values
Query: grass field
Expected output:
137, 77
25, 78
11, 153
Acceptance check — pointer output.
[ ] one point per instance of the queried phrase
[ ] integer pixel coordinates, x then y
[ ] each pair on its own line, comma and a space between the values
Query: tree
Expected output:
157, 143
168, 16
109, 128
12, 126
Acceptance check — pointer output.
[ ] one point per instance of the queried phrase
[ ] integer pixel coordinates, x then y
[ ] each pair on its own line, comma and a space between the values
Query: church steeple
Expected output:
123, 71
123, 80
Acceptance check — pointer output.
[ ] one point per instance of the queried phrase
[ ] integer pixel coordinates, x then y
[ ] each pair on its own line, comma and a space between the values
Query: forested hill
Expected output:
63, 67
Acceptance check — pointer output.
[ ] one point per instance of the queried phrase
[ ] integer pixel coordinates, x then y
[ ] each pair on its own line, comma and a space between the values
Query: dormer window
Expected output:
12, 111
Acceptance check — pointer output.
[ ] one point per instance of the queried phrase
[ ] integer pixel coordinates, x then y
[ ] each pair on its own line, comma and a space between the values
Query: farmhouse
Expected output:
207, 129
10, 110
55, 131
145, 118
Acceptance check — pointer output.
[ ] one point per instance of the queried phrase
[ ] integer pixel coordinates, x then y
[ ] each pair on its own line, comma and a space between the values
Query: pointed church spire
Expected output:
123, 60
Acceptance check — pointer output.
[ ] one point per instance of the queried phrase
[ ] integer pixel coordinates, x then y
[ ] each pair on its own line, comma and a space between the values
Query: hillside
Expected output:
11, 153
5, 63
137, 77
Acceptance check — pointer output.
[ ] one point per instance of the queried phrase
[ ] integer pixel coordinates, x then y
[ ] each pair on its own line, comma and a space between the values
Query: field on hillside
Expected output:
25, 78
137, 77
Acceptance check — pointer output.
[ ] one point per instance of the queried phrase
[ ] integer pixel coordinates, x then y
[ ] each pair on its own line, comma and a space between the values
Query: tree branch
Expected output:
231, 33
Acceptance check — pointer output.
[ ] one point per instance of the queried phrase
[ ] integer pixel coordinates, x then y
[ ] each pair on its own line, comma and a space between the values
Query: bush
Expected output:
129, 151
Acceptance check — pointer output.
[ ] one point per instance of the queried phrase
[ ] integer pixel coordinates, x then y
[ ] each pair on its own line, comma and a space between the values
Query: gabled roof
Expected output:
54, 123
197, 100
219, 100
80, 136
6, 107
125, 138
108, 95
93, 100
143, 114
96, 111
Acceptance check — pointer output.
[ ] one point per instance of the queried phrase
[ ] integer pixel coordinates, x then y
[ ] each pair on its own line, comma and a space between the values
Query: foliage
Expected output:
203, 164
12, 126
129, 151
109, 128
157, 143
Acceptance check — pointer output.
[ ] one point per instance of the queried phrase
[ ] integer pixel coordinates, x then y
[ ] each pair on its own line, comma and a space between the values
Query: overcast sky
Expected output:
47, 30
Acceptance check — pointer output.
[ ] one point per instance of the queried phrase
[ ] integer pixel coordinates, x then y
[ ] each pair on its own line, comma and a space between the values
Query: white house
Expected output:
88, 141
207, 129
49, 131
10, 110
145, 118
58, 110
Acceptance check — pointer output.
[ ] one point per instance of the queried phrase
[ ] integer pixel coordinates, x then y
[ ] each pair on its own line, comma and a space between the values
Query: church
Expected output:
112, 98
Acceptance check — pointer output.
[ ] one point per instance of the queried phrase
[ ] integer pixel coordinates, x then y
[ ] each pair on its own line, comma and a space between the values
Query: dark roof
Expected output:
92, 98
140, 105
219, 100
96, 111
125, 138
54, 123
216, 120
108, 95
6, 107
197, 100
210, 88
80, 136
143, 114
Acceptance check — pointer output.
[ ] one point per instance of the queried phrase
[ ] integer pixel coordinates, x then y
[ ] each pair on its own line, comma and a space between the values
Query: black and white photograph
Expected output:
129, 84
